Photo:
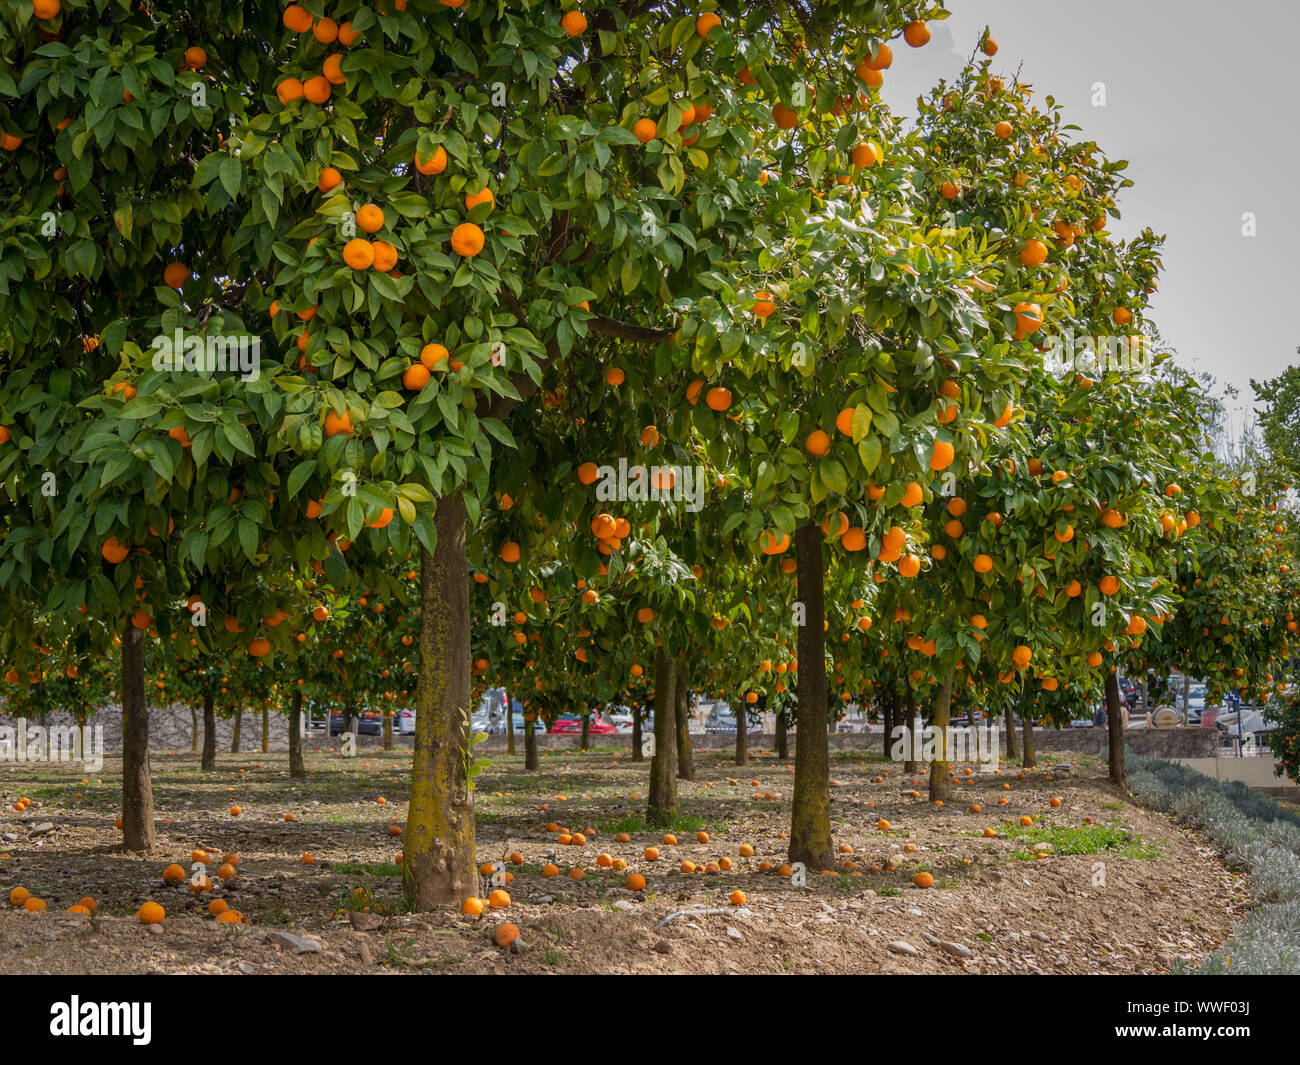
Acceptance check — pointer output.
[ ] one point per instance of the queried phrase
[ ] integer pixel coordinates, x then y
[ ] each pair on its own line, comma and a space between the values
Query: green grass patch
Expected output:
370, 868
1083, 839
634, 823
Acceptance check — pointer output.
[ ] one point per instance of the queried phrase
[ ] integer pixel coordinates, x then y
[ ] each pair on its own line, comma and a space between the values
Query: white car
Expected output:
404, 723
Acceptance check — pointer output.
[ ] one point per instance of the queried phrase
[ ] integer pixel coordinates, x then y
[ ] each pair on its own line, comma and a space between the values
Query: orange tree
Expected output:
1236, 619
1071, 533
436, 195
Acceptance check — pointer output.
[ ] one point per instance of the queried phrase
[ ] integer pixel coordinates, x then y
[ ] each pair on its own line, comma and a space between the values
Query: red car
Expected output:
573, 723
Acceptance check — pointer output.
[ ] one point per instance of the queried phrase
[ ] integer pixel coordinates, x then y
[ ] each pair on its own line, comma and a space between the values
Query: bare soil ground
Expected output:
1130, 892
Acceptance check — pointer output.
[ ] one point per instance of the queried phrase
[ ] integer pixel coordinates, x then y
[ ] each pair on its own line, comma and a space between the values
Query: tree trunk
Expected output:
909, 763
637, 756
782, 737
662, 808
209, 757
685, 753
585, 743
439, 843
810, 814
388, 730
297, 768
266, 729
194, 730
1115, 732
742, 735
1013, 749
137, 784
940, 768
1030, 759
234, 739
510, 724
890, 704
530, 744
1187, 698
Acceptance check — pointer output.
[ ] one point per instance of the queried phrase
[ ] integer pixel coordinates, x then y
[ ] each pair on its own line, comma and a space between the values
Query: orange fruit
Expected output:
917, 34
359, 254
574, 23
473, 199
865, 154
415, 377
296, 19
385, 255
151, 913
334, 424
505, 934
942, 455
635, 882
645, 130
317, 89
467, 240
923, 880
707, 22
436, 164
289, 90
370, 219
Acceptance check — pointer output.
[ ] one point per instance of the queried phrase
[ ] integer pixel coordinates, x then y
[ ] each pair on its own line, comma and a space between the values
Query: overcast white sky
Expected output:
1201, 99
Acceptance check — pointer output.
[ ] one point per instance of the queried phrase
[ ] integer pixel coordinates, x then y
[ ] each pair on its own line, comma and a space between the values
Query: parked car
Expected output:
572, 723
365, 722
724, 721
404, 723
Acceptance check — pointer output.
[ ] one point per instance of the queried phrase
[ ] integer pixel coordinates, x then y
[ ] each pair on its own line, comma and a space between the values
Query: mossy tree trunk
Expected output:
1115, 732
782, 736
388, 730
888, 705
530, 744
585, 743
297, 768
1009, 727
662, 807
940, 767
208, 760
234, 738
909, 764
439, 844
1030, 759
637, 755
266, 729
194, 729
685, 753
742, 734
137, 783
810, 815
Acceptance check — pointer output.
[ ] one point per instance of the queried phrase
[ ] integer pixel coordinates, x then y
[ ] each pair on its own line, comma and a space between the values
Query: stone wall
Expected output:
170, 729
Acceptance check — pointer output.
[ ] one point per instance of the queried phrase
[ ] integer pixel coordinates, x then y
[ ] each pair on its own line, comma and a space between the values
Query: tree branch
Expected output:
612, 327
